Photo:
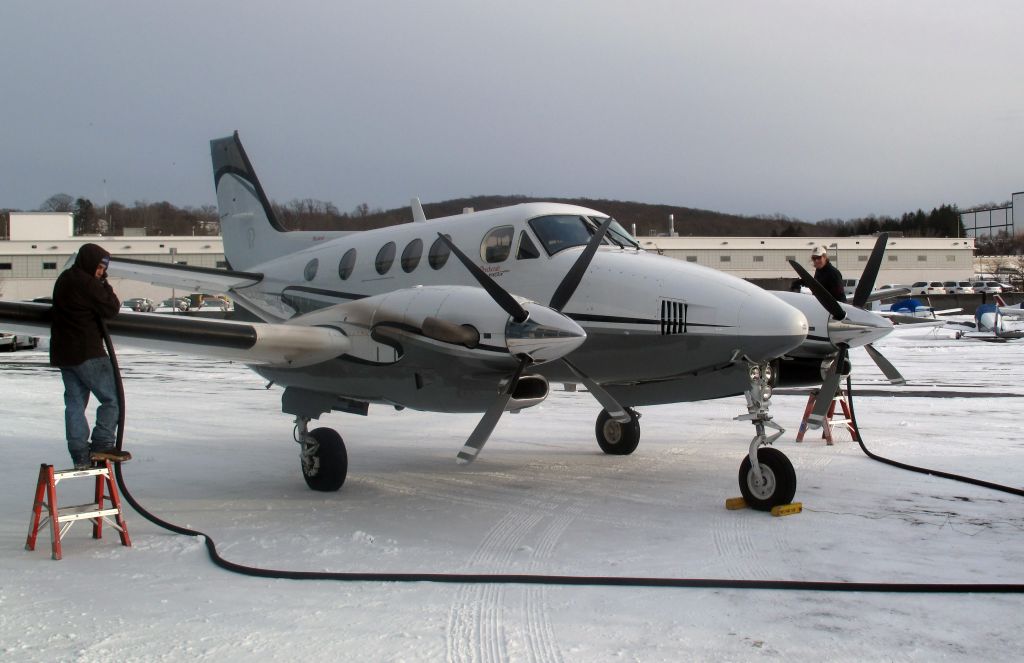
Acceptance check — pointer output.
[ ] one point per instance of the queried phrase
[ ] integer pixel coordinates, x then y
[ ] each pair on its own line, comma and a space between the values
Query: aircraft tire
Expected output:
779, 480
330, 462
618, 439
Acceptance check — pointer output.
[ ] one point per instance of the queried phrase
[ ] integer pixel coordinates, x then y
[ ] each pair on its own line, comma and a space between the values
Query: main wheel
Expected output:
615, 438
326, 468
778, 480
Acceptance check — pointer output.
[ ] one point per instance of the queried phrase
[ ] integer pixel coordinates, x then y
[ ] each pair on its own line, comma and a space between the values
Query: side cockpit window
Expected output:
497, 244
527, 249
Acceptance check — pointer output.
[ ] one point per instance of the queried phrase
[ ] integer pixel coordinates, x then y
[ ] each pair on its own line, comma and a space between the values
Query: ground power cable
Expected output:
913, 468
526, 579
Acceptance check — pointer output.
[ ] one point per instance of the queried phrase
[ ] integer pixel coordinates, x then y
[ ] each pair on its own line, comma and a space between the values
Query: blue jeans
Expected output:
94, 376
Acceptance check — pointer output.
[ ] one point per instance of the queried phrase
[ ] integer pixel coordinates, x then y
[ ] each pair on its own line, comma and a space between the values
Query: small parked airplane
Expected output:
384, 316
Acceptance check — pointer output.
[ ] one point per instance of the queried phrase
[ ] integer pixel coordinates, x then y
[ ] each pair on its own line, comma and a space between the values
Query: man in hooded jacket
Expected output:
82, 298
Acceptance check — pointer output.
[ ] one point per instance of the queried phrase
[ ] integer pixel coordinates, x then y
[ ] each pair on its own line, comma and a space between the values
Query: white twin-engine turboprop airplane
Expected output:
387, 316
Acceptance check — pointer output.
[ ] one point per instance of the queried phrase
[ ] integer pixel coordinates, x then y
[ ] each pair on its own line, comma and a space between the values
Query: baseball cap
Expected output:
819, 251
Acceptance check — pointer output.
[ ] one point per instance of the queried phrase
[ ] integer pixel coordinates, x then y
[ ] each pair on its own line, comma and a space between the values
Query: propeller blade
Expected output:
497, 293
885, 366
823, 296
867, 279
572, 278
483, 430
828, 391
616, 411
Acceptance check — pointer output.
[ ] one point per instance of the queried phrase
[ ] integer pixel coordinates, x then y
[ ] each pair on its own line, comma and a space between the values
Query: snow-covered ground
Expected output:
213, 452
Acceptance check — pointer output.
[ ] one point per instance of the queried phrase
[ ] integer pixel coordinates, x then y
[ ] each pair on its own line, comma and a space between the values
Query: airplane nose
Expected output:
769, 327
545, 335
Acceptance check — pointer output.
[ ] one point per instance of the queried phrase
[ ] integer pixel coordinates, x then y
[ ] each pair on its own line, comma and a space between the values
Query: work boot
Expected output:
116, 455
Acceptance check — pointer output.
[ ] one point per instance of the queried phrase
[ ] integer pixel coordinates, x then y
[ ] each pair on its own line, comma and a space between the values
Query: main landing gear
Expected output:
618, 438
766, 477
323, 456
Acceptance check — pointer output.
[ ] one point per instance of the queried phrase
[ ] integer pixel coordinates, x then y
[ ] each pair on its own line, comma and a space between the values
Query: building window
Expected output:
922, 258
724, 258
347, 264
5, 265
691, 258
862, 258
49, 265
893, 258
788, 258
758, 258
222, 264
950, 258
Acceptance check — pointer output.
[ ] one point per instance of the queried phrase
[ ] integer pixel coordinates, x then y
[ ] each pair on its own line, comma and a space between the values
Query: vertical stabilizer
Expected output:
252, 234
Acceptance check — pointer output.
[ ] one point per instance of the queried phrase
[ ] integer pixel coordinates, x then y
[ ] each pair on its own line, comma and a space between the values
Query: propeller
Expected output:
563, 293
830, 385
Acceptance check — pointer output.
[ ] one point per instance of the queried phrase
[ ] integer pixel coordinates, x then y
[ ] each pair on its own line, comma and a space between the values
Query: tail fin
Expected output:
252, 234
999, 301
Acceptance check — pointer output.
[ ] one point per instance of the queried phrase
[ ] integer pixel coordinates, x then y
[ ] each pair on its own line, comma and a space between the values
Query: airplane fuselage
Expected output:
649, 319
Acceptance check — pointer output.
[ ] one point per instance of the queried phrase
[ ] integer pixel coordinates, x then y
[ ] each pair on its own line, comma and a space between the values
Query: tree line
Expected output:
164, 218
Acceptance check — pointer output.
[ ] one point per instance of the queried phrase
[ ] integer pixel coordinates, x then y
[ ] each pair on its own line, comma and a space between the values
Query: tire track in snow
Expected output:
475, 622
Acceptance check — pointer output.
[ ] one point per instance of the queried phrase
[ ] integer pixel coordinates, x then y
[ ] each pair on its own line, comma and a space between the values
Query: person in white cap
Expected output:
826, 273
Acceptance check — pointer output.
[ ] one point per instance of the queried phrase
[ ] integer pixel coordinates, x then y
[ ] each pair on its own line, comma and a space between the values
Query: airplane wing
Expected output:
888, 293
198, 279
256, 343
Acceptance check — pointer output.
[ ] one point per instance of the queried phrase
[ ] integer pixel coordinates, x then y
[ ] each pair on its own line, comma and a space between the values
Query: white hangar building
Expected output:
40, 244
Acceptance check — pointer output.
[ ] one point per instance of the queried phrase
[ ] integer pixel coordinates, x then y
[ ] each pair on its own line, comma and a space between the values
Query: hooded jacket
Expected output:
80, 301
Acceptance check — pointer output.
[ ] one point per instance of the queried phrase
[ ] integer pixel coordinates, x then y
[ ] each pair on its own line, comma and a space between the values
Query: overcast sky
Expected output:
804, 108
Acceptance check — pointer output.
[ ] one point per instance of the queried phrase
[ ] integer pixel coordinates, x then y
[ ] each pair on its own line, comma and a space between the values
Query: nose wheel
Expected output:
773, 485
767, 478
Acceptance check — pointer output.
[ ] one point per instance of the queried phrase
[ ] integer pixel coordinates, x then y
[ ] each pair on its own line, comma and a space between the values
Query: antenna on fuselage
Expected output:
417, 211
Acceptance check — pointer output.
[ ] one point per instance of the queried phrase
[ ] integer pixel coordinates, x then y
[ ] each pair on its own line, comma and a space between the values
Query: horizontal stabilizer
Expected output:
184, 277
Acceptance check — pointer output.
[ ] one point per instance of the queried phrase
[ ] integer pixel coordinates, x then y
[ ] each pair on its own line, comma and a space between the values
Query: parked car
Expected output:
214, 304
928, 288
138, 304
173, 305
958, 287
7, 343
850, 287
988, 287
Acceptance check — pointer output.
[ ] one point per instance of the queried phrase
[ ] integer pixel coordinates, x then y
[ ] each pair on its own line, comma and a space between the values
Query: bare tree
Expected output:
58, 202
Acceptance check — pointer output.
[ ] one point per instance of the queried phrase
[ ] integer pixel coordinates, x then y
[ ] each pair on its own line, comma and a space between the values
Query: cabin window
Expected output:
527, 249
411, 255
385, 258
347, 264
497, 244
438, 254
310, 272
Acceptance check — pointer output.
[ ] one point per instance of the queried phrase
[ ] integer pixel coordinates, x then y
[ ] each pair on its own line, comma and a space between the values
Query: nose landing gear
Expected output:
766, 476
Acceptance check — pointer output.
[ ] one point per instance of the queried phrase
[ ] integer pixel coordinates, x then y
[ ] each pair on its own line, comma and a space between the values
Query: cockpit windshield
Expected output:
562, 231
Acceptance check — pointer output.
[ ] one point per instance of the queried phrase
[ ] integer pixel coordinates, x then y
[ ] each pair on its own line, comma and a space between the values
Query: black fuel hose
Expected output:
527, 579
913, 468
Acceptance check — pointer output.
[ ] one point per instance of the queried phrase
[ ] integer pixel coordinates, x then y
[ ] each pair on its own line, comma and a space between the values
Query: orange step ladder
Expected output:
830, 421
61, 519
